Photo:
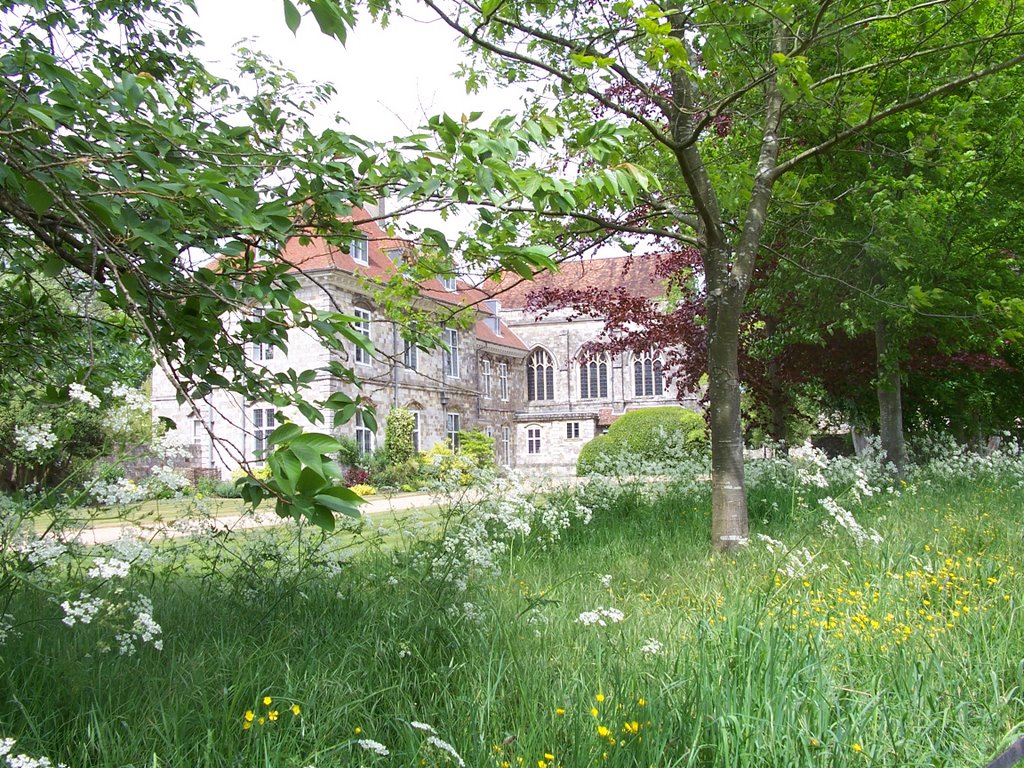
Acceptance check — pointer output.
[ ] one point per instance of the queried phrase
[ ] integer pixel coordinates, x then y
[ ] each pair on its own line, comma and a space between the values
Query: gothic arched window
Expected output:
647, 375
540, 376
594, 378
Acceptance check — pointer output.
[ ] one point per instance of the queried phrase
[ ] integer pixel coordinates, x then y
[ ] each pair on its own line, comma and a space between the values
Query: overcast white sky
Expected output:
388, 80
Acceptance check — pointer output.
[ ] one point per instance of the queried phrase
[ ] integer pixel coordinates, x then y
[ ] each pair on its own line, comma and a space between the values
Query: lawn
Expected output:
623, 642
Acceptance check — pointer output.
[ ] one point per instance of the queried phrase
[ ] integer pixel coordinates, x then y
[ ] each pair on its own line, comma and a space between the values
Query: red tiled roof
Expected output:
506, 339
637, 274
318, 254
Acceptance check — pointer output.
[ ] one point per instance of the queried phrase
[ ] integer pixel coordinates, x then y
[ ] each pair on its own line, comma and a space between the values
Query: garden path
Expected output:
234, 522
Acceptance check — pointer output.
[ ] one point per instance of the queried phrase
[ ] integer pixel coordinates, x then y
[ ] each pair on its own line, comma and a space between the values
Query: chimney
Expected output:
494, 318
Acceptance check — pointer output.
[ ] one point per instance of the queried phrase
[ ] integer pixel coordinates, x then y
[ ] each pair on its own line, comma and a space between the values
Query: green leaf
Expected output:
292, 17
317, 442
43, 117
38, 196
337, 505
311, 482
284, 433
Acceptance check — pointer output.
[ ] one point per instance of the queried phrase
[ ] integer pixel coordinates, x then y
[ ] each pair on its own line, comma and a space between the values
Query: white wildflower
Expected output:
601, 617
373, 746
82, 611
425, 727
652, 647
41, 552
110, 493
81, 394
112, 568
606, 581
444, 746
771, 544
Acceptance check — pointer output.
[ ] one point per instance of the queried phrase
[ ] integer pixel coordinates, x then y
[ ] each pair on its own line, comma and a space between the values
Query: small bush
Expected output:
225, 489
356, 476
363, 489
397, 475
650, 436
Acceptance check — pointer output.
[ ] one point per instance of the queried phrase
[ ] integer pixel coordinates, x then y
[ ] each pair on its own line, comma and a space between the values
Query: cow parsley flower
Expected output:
602, 617
374, 746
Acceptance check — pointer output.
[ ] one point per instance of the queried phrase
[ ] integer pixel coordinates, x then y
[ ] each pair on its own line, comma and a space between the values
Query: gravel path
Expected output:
107, 534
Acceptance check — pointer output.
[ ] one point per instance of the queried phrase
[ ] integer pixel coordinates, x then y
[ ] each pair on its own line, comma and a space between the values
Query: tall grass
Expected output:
909, 653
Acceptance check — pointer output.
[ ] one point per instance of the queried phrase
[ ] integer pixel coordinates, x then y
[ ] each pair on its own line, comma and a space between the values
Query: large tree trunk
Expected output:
729, 527
890, 403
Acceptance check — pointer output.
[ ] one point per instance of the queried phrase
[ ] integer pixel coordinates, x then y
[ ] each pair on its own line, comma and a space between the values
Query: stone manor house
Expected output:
519, 378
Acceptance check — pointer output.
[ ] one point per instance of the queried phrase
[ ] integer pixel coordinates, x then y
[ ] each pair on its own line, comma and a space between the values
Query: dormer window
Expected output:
359, 249
448, 282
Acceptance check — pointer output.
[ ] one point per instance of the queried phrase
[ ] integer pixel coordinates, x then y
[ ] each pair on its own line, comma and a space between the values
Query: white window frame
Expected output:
452, 427
451, 354
362, 327
363, 435
447, 282
359, 249
506, 445
533, 441
485, 377
572, 430
410, 356
260, 350
503, 381
264, 421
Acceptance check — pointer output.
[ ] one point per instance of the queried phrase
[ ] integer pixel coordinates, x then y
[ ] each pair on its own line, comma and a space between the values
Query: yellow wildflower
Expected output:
560, 712
632, 727
593, 711
295, 710
267, 701
273, 714
599, 698
602, 731
548, 756
641, 702
358, 730
246, 725
249, 715
262, 720
857, 747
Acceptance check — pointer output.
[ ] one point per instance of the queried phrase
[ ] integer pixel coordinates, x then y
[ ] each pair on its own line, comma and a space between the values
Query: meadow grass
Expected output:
907, 653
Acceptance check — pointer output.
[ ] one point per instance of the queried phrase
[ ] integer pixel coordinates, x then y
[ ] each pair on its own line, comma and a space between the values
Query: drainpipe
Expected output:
395, 338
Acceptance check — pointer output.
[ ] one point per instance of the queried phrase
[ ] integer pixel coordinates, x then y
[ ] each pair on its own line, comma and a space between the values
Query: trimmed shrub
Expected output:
649, 435
398, 436
592, 457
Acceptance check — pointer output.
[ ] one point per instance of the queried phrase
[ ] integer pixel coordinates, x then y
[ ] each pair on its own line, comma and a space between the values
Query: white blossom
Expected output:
112, 568
444, 746
81, 611
652, 647
35, 437
601, 617
81, 394
373, 746
110, 493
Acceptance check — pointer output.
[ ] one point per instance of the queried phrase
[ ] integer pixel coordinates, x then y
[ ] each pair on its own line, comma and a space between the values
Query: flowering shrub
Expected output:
480, 530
